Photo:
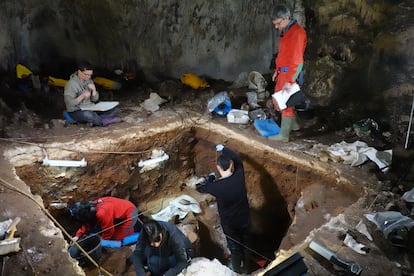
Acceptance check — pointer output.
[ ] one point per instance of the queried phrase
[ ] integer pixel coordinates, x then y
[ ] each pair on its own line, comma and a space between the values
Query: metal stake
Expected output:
409, 124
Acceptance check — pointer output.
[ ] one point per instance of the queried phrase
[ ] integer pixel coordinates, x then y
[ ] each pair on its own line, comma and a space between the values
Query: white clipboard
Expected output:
100, 106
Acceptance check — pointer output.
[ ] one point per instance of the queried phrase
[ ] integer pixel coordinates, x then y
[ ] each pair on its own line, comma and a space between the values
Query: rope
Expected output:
119, 223
17, 140
11, 187
243, 245
248, 248
72, 150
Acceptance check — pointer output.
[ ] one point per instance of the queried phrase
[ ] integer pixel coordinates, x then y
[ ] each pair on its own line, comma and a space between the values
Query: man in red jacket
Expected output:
113, 217
289, 63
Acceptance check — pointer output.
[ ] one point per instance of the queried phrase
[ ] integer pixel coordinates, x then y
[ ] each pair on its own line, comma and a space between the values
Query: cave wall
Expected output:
358, 62
218, 39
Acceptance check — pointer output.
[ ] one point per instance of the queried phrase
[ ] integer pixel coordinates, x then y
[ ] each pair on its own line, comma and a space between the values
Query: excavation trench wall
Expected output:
289, 195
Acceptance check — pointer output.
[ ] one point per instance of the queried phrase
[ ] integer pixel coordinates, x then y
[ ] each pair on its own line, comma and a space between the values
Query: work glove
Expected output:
131, 239
111, 243
219, 147
75, 238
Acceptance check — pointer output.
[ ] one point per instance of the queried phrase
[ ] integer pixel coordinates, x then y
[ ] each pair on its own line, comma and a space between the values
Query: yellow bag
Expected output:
193, 81
56, 82
107, 83
22, 71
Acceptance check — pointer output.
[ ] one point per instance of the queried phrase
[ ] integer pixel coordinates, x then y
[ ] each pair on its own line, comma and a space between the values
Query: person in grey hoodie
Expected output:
80, 91
161, 249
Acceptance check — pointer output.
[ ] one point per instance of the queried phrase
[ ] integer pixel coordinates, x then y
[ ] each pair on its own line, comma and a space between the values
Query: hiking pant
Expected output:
94, 117
238, 239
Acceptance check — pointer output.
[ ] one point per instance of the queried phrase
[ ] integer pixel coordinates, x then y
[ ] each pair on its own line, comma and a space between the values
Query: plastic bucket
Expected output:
92, 245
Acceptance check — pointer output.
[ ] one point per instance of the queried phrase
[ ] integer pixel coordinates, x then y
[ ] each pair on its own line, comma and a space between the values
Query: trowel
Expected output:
352, 267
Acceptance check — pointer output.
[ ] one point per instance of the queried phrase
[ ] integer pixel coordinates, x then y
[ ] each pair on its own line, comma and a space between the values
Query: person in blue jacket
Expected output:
233, 206
161, 249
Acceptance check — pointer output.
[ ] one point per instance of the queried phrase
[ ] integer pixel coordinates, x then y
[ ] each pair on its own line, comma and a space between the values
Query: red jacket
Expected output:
109, 210
292, 46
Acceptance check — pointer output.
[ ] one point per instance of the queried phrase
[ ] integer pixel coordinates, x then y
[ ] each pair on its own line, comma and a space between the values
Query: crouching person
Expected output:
162, 249
114, 218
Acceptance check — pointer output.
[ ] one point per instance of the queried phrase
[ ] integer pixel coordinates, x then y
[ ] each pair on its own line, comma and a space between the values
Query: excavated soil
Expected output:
292, 194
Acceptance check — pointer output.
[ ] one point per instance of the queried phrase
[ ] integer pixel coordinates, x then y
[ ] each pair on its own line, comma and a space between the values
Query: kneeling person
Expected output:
114, 218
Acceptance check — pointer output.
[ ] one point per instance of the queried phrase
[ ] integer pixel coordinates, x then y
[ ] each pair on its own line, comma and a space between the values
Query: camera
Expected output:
206, 179
210, 178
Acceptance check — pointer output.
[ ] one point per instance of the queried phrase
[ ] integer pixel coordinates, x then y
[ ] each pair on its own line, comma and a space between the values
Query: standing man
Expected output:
80, 91
289, 63
233, 207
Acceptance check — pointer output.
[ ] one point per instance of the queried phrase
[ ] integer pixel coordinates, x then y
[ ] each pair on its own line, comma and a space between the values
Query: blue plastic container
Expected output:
267, 127
223, 108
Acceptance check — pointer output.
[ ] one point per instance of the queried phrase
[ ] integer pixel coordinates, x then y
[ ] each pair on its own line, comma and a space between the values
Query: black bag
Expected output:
296, 99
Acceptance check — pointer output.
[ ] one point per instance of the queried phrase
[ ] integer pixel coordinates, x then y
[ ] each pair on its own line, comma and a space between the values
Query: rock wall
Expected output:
218, 39
358, 62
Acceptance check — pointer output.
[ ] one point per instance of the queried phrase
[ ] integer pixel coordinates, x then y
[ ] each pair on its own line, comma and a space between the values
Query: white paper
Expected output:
282, 96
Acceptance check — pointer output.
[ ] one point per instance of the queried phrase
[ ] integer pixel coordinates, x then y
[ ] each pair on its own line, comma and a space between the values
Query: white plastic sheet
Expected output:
357, 153
180, 206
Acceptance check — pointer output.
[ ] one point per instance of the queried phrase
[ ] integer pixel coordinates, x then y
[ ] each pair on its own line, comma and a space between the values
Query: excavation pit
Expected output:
288, 196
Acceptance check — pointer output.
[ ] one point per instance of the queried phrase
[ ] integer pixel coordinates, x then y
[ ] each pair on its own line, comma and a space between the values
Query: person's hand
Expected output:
92, 87
219, 147
275, 105
274, 77
86, 94
75, 239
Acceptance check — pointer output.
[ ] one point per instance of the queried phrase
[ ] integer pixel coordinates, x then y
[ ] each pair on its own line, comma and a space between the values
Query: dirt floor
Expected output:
295, 196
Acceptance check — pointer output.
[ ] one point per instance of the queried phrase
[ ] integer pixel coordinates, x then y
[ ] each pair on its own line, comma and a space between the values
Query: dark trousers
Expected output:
159, 265
93, 117
238, 240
